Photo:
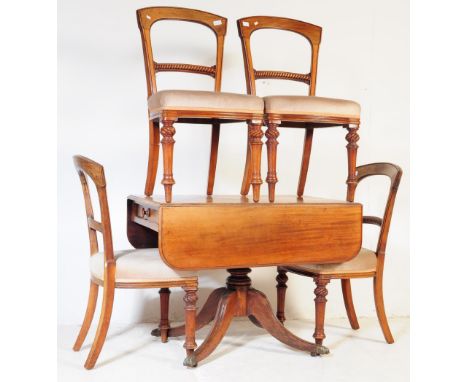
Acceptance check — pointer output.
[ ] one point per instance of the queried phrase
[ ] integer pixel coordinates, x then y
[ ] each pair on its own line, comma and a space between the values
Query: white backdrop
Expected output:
364, 56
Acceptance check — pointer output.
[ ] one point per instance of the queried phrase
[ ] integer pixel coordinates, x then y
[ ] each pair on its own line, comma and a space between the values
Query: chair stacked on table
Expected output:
143, 268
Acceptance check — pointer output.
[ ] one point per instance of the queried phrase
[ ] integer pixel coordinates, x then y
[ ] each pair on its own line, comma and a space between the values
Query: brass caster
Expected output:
156, 332
190, 361
320, 350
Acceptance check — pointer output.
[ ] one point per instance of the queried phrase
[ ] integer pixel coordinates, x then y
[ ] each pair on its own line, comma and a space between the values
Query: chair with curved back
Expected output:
367, 263
136, 268
306, 111
198, 107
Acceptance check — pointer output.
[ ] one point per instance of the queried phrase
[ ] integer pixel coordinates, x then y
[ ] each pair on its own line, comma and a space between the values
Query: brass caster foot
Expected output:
156, 332
190, 361
320, 350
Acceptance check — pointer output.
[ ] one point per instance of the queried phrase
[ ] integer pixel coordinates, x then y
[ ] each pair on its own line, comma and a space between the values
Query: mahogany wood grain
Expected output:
140, 238
393, 172
259, 234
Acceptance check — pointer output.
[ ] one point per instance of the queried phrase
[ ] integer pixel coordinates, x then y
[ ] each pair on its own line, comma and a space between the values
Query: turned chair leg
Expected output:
349, 305
282, 279
168, 131
104, 320
88, 318
272, 134
164, 325
255, 142
352, 138
320, 302
380, 308
190, 345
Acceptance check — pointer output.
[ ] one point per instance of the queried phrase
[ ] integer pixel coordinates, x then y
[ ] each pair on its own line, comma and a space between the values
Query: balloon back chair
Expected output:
135, 268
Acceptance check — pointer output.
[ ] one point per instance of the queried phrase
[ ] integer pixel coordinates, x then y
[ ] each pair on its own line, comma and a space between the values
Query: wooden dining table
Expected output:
236, 234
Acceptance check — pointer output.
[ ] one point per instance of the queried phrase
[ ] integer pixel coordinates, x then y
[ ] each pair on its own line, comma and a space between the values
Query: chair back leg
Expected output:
88, 318
380, 308
104, 321
349, 305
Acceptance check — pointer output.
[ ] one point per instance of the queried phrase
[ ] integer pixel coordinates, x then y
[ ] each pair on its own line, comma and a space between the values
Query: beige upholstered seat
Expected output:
205, 101
310, 105
137, 265
364, 262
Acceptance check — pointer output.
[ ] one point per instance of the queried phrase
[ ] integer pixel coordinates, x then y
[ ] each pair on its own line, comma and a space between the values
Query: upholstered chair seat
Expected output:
364, 263
311, 105
137, 265
195, 100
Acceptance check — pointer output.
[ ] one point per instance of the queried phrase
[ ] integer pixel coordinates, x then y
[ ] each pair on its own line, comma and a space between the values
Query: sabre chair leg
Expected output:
104, 321
88, 318
309, 134
380, 308
349, 305
213, 157
164, 325
320, 303
282, 279
153, 157
247, 171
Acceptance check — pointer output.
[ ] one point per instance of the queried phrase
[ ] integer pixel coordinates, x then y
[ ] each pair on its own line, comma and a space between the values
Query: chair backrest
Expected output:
313, 33
87, 168
394, 172
148, 16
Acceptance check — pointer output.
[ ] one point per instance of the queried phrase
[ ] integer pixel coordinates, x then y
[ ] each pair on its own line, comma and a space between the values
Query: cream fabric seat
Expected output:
137, 265
205, 101
310, 105
364, 262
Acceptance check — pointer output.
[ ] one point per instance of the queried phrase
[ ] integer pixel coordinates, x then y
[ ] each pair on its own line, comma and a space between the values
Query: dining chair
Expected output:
306, 111
194, 107
128, 269
367, 263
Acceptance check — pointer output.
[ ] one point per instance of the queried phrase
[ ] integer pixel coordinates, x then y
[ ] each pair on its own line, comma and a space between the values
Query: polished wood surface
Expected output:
321, 278
88, 168
246, 234
312, 33
147, 17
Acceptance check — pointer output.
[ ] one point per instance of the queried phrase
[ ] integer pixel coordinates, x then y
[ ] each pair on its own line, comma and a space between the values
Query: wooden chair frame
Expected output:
312, 33
394, 172
88, 168
146, 18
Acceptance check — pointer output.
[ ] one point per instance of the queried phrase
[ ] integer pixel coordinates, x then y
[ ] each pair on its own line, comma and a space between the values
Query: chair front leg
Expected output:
320, 303
255, 142
272, 134
164, 326
282, 279
352, 138
190, 345
168, 131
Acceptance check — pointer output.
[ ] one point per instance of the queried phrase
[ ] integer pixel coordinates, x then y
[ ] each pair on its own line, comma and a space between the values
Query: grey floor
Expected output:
247, 353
